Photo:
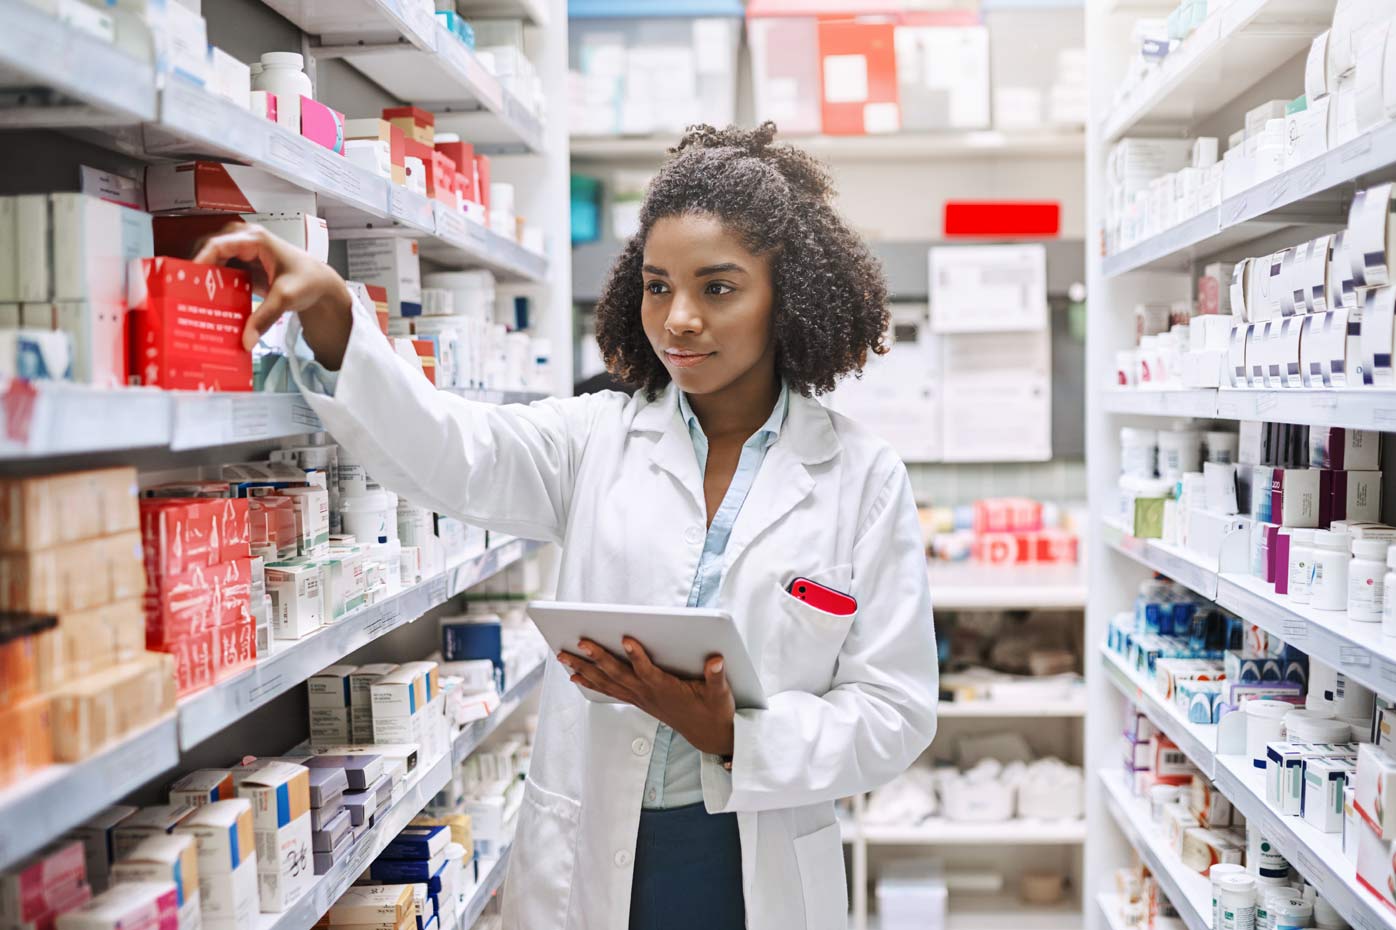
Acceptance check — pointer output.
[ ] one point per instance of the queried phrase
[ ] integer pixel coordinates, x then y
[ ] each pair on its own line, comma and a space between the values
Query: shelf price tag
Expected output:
1354, 656
1292, 629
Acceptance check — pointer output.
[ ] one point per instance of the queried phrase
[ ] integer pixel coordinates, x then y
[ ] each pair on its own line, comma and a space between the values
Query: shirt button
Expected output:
652, 796
622, 859
640, 746
693, 535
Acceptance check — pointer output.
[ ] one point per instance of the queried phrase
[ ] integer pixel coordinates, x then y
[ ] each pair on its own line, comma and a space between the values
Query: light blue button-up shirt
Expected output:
674, 778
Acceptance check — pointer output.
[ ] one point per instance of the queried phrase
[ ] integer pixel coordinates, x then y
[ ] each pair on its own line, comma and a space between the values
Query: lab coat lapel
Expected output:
806, 440
672, 450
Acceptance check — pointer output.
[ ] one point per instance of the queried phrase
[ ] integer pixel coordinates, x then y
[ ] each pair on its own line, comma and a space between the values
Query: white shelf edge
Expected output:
950, 710
1189, 891
888, 147
78, 419
940, 832
484, 890
119, 87
976, 586
208, 712
1352, 408
61, 797
1197, 741
1172, 561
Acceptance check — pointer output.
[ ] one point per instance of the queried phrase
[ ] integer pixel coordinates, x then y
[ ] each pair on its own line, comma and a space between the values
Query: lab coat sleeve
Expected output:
880, 714
507, 468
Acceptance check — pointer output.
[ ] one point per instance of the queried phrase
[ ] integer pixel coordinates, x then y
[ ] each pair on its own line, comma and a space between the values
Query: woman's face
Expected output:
707, 305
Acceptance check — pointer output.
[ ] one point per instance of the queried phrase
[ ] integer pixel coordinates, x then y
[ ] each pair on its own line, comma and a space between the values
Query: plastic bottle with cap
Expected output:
1216, 873
1330, 587
1293, 913
1301, 565
283, 74
1325, 917
1237, 902
1366, 580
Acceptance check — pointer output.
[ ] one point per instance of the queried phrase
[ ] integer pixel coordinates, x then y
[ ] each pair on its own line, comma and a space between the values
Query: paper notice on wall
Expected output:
996, 403
988, 288
898, 397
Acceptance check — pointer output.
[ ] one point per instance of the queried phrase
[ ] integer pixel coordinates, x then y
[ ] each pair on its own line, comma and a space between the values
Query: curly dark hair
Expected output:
830, 294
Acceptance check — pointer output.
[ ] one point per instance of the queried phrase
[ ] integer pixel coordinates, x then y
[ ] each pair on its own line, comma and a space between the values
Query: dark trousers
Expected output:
688, 871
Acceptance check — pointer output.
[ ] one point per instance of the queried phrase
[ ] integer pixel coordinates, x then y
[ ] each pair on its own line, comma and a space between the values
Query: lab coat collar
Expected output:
807, 434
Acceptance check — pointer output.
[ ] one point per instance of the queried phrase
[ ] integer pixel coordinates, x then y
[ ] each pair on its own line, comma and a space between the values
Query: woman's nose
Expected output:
683, 318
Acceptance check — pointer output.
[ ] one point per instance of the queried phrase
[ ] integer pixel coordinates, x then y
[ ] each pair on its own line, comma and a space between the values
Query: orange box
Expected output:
26, 739
414, 122
858, 78
463, 154
46, 510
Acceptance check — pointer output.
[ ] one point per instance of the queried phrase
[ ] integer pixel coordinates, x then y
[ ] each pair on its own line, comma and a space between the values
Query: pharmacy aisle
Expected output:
245, 685
1240, 336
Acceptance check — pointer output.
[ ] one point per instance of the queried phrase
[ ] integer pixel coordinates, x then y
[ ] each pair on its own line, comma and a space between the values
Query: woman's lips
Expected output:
686, 359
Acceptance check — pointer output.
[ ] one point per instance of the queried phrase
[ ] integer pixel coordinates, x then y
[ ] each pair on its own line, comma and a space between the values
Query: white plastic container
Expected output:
1268, 898
1264, 724
1330, 587
1325, 918
1301, 565
1290, 914
1237, 902
1216, 874
1366, 580
1160, 796
1315, 726
1138, 452
1388, 605
1179, 452
283, 74
367, 517
1221, 446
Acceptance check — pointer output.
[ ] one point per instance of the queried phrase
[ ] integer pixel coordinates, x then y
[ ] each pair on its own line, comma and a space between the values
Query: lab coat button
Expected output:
640, 746
693, 535
622, 859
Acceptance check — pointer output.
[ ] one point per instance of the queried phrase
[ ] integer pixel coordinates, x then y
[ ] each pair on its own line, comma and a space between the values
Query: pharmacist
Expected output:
721, 482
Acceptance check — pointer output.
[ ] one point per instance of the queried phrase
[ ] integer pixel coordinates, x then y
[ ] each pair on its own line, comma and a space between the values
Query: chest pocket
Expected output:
805, 641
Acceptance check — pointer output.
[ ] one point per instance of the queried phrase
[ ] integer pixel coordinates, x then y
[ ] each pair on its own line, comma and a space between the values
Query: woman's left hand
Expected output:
699, 710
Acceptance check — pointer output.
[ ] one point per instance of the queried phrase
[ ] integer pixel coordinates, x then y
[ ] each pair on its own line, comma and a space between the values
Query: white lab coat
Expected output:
614, 480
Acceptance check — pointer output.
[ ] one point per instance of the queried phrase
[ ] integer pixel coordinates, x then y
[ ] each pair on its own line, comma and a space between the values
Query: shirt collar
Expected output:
769, 430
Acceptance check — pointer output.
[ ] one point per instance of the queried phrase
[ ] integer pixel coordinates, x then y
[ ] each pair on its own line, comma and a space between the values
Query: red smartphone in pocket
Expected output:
826, 599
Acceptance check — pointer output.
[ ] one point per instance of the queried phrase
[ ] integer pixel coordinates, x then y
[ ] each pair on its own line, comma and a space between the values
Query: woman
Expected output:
717, 485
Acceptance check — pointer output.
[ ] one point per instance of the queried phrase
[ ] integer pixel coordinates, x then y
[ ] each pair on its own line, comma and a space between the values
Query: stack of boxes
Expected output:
136, 905
199, 575
98, 837
365, 783
70, 554
372, 907
44, 886
331, 825
421, 855
168, 860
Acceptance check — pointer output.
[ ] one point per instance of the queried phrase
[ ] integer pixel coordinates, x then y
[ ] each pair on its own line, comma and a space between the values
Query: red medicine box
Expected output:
237, 647
482, 183
463, 154
186, 326
858, 78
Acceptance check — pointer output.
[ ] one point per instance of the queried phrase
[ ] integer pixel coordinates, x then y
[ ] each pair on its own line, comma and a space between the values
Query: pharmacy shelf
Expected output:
102, 85
888, 147
998, 912
1314, 192
941, 832
1358, 408
423, 785
473, 734
345, 22
1197, 741
486, 888
451, 80
1174, 561
1189, 891
356, 202
50, 418
291, 662
1112, 906
1004, 710
1317, 855
1235, 47
60, 797
1361, 650
975, 586
530, 11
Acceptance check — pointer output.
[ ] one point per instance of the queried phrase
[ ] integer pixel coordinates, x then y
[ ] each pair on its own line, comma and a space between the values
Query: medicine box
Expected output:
1294, 497
360, 771
1376, 782
98, 839
30, 888
1338, 448
312, 518
1323, 792
224, 834
186, 326
361, 698
280, 796
203, 786
372, 907
217, 187
296, 601
1354, 496
138, 905
173, 859
397, 698
147, 822
390, 263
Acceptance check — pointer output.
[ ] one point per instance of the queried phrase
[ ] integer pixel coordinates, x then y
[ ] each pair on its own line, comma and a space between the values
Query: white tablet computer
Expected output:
678, 639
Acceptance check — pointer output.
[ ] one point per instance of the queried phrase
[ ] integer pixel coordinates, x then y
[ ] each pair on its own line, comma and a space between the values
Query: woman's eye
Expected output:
717, 288
656, 287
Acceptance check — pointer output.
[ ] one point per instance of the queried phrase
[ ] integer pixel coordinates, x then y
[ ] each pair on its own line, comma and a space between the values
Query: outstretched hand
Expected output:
700, 710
